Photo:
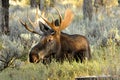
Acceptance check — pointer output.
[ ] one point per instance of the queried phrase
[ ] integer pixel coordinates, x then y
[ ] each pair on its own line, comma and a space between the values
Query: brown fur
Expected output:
76, 45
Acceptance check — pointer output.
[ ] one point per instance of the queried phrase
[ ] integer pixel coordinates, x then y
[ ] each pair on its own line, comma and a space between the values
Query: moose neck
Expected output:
58, 42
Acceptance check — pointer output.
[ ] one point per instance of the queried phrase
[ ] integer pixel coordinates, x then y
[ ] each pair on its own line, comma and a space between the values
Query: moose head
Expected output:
54, 43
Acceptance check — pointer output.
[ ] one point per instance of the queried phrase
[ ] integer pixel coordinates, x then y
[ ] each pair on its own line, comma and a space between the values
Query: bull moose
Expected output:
56, 44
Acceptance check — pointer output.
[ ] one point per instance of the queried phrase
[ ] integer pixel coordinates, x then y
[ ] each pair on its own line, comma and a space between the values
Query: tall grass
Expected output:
102, 32
103, 65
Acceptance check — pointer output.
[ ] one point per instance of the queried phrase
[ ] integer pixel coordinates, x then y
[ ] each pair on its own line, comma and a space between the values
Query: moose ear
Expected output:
44, 28
57, 22
68, 17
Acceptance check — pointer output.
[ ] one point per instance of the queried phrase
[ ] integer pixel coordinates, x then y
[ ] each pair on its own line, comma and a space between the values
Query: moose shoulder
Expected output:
56, 44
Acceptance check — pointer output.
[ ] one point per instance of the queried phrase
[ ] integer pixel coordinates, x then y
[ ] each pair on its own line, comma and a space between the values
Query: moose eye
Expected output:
50, 39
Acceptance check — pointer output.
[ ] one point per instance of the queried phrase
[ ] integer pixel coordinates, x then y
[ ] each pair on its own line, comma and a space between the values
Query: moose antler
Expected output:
34, 24
28, 28
68, 17
60, 16
51, 24
63, 23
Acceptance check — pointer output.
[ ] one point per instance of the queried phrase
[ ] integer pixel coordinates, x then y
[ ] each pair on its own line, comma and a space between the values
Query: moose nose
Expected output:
36, 61
33, 58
